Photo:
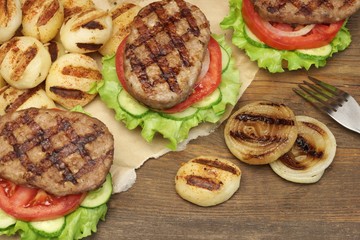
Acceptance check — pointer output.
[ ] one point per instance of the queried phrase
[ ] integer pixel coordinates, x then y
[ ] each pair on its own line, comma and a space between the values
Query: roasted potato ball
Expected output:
25, 63
122, 17
11, 21
86, 32
42, 19
207, 181
72, 7
13, 99
70, 78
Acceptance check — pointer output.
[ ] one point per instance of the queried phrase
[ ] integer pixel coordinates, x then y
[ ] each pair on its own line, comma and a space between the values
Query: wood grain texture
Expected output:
265, 206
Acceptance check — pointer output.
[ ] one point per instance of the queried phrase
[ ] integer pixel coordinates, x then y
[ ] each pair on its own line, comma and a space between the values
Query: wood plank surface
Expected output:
265, 206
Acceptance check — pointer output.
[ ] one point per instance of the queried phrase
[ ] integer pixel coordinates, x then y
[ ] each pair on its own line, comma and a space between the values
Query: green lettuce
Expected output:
79, 224
272, 59
153, 122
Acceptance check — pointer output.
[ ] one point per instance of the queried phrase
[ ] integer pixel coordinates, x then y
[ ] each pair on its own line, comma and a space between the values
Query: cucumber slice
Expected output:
49, 228
131, 105
225, 59
6, 220
252, 38
210, 100
99, 196
320, 52
186, 114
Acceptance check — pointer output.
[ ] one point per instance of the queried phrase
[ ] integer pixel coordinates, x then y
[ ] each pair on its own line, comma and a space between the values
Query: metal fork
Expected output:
339, 105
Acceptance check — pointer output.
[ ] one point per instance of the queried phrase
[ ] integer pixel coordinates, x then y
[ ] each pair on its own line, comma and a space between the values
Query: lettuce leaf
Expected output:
152, 122
79, 224
272, 59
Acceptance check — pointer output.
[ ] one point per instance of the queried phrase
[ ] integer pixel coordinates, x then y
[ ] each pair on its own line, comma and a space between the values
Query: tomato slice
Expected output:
320, 35
119, 63
204, 86
30, 204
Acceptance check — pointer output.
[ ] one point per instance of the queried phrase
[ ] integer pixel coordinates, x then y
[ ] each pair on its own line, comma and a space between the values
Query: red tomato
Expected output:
119, 63
204, 86
320, 35
30, 204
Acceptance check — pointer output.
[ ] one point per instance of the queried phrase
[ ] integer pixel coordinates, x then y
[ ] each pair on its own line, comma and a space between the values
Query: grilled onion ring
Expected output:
261, 132
312, 153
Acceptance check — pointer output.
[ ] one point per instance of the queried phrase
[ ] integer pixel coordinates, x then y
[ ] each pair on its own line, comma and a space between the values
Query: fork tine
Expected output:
308, 95
332, 89
324, 93
324, 96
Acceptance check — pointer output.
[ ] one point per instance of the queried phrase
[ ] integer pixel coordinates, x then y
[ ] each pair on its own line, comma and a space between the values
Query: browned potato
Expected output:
122, 17
11, 21
70, 78
86, 32
24, 62
13, 99
42, 19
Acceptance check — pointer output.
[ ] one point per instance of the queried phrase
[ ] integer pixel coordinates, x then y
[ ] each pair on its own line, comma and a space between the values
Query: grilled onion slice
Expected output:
207, 181
261, 132
312, 153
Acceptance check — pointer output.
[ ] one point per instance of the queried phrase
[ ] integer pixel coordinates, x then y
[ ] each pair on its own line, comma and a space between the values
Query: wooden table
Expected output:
265, 206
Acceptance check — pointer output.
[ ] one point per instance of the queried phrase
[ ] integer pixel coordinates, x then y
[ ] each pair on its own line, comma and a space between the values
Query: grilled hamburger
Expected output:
164, 53
54, 173
290, 34
168, 75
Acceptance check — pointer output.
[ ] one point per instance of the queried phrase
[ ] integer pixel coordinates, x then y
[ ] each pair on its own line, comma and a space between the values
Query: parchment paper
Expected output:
131, 150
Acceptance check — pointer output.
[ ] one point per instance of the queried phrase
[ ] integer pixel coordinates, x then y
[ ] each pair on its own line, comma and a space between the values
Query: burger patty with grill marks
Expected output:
58, 151
306, 11
164, 52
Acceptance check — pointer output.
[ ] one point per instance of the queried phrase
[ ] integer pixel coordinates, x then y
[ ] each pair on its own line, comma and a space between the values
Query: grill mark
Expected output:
22, 59
288, 159
21, 99
93, 25
244, 117
53, 157
158, 52
29, 4
68, 93
53, 50
308, 148
87, 19
217, 164
170, 28
89, 46
6, 47
6, 10
238, 135
50, 10
186, 13
158, 55
119, 11
201, 182
139, 69
81, 72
